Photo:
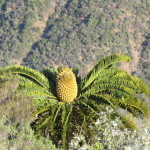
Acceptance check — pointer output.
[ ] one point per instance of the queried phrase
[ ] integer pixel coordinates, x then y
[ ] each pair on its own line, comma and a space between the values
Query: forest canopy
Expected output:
74, 33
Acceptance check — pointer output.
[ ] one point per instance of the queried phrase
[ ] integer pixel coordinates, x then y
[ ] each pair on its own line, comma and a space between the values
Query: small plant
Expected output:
67, 105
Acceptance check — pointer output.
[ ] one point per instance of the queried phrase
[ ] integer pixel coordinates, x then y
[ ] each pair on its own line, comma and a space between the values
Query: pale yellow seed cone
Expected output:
66, 85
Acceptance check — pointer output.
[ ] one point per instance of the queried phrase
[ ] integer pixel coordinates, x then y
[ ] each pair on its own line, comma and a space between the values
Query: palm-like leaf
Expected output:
103, 64
103, 86
28, 73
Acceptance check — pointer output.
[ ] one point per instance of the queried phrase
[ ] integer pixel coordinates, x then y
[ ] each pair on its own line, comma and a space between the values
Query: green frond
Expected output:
104, 98
43, 124
41, 110
40, 95
34, 89
66, 124
135, 105
93, 104
78, 78
109, 74
28, 85
50, 74
109, 86
89, 107
139, 83
126, 120
27, 72
54, 120
98, 103
103, 64
56, 113
75, 71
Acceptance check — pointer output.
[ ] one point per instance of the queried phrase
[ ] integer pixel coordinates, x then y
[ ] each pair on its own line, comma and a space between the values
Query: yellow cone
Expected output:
66, 85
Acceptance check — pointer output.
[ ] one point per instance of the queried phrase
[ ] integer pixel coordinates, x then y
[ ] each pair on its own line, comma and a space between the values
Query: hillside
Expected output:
60, 108
76, 33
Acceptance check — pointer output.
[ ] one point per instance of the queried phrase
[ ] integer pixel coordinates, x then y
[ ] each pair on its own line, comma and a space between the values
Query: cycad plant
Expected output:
67, 104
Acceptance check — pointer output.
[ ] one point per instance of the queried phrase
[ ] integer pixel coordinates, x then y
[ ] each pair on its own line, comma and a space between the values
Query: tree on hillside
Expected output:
67, 104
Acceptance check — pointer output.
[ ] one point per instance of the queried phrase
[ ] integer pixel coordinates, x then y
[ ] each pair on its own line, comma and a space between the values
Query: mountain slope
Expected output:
76, 33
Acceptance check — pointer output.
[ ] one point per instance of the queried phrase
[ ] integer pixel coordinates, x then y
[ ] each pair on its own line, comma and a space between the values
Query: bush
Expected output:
109, 136
8, 85
105, 133
21, 138
17, 113
18, 108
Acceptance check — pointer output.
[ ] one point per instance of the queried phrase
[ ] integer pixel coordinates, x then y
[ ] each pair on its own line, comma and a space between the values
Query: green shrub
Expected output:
21, 138
107, 135
8, 85
18, 108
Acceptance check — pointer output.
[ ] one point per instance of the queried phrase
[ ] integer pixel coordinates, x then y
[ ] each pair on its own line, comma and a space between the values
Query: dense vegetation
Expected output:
63, 108
75, 33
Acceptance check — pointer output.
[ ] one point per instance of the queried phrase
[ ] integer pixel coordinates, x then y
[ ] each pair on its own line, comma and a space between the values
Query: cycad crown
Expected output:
66, 85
